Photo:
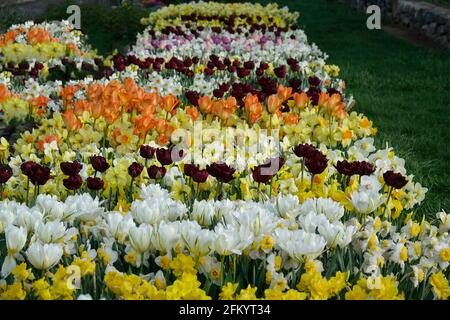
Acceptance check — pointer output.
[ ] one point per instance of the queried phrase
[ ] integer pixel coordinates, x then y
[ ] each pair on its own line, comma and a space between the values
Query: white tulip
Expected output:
49, 232
140, 237
366, 202
16, 237
44, 256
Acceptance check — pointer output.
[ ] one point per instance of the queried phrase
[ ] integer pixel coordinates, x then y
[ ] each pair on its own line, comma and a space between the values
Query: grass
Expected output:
404, 89
107, 28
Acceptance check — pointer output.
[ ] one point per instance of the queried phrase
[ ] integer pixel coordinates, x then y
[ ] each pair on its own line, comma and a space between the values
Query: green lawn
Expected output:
404, 89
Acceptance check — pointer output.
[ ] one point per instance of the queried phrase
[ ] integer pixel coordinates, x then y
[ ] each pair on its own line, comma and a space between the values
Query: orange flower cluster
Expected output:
8, 37
222, 108
34, 35
114, 99
38, 35
333, 105
4, 93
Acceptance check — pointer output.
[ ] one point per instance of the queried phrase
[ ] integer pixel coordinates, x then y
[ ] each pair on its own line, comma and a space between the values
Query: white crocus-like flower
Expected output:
28, 218
369, 183
299, 244
50, 232
16, 238
84, 207
331, 209
166, 236
288, 206
44, 256
366, 202
118, 226
140, 237
50, 206
229, 240
203, 212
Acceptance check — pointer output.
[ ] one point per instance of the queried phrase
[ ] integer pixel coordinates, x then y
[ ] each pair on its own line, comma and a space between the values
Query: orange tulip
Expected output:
291, 118
4, 93
332, 105
163, 140
192, 112
8, 38
170, 102
301, 100
253, 108
38, 35
95, 92
284, 93
46, 139
205, 104
81, 106
71, 121
273, 103
39, 104
67, 94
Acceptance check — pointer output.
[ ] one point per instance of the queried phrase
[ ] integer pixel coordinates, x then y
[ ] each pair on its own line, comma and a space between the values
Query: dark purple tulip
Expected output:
135, 169
155, 172
221, 171
70, 168
395, 180
73, 182
99, 163
95, 183
200, 176
5, 173
147, 152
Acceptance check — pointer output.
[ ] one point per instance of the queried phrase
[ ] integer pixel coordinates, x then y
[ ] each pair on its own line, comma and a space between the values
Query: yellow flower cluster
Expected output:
172, 15
378, 288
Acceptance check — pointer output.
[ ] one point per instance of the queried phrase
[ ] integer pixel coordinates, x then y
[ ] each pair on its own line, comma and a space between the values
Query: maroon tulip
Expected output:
164, 156
73, 182
346, 168
314, 81
250, 65
364, 168
70, 168
265, 172
221, 171
304, 150
99, 163
200, 176
190, 169
28, 167
316, 162
155, 172
95, 183
5, 173
135, 169
395, 180
40, 175
147, 152
280, 71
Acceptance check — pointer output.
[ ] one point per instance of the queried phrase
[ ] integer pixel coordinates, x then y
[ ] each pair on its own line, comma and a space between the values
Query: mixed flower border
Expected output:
221, 158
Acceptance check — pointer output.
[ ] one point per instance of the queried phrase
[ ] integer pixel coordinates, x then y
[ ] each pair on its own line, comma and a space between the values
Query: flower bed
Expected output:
193, 170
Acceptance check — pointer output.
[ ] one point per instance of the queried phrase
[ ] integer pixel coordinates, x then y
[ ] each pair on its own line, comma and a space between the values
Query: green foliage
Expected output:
107, 28
8, 17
